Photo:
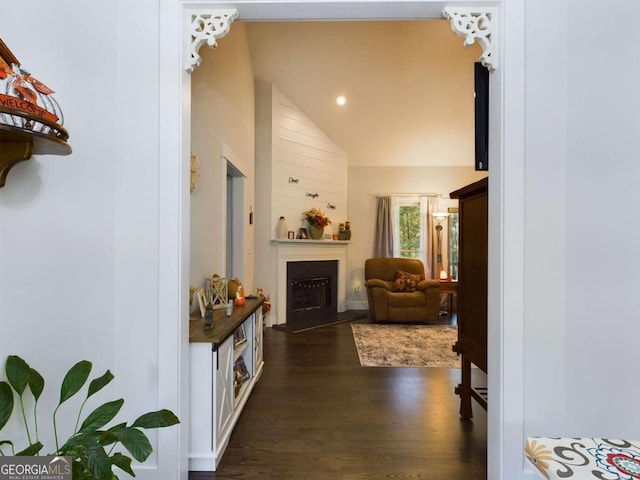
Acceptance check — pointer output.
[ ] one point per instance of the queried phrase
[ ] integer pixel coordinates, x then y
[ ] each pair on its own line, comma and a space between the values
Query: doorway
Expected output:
505, 225
234, 201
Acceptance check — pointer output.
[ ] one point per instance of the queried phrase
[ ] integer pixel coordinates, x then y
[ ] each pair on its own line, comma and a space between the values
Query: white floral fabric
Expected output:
584, 458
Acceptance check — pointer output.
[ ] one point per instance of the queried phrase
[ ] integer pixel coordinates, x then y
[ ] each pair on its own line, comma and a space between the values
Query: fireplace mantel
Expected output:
300, 240
307, 250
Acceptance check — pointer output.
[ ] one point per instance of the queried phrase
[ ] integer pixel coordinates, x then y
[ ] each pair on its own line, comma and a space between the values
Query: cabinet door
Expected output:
223, 388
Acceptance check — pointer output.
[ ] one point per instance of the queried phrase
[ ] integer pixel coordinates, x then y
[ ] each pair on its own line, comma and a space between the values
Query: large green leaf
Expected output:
99, 383
79, 440
36, 383
6, 403
96, 460
102, 415
74, 380
122, 462
31, 450
136, 442
108, 437
159, 419
17, 371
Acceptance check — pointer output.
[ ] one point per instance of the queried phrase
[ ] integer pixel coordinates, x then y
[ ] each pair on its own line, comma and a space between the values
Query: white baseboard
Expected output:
357, 305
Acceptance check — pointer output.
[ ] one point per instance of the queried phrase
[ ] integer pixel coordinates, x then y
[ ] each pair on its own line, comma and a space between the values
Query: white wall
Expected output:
79, 235
222, 112
301, 151
545, 249
582, 262
602, 328
367, 182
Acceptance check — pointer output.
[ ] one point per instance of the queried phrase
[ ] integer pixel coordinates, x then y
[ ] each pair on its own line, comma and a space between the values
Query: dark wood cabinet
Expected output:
472, 291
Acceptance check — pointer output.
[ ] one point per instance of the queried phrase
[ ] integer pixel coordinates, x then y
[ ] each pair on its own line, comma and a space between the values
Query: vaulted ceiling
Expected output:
408, 84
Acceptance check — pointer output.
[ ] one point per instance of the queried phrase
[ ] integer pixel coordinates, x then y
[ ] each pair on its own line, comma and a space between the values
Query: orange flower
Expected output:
316, 217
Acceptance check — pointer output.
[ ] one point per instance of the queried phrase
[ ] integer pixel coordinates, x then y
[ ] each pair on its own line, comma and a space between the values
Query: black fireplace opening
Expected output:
312, 291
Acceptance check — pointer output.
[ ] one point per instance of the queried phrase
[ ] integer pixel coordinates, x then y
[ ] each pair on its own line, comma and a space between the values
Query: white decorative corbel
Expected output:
206, 25
476, 24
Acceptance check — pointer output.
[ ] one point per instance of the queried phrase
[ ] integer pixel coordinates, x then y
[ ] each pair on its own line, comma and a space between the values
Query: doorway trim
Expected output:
233, 265
506, 207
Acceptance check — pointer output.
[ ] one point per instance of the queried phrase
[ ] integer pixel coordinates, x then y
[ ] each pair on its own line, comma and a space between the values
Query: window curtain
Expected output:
383, 241
429, 205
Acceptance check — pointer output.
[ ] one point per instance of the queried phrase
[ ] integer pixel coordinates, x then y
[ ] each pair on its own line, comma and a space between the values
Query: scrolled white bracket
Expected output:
476, 25
206, 26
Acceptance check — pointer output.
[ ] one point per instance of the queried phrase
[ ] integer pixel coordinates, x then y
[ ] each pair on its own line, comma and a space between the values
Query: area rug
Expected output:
383, 345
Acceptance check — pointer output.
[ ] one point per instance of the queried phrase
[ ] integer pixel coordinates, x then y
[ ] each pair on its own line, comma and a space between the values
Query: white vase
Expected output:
281, 229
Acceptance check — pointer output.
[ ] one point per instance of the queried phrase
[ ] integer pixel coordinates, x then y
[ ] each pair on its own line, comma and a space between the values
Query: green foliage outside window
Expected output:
453, 245
409, 229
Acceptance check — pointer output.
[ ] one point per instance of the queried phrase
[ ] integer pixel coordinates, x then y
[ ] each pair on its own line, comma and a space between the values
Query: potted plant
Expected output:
91, 446
317, 221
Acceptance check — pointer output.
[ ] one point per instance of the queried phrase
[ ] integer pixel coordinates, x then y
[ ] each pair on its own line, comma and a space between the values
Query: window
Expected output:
453, 244
409, 231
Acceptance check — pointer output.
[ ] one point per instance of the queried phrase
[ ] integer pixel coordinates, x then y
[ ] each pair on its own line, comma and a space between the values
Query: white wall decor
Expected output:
207, 26
473, 25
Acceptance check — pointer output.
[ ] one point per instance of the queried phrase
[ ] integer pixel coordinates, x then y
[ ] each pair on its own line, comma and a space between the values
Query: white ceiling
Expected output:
409, 86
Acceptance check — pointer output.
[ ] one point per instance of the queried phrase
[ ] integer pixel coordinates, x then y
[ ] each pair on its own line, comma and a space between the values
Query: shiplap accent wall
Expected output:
289, 145
309, 169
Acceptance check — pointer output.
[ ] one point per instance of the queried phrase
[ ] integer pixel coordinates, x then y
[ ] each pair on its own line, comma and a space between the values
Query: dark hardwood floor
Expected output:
317, 414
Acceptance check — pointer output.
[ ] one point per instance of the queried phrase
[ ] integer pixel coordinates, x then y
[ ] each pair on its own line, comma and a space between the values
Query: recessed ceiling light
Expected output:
341, 100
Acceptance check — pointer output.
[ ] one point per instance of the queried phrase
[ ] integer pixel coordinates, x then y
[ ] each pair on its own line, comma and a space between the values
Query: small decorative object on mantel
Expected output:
216, 291
240, 298
281, 229
344, 233
202, 302
208, 317
30, 118
236, 291
266, 304
317, 221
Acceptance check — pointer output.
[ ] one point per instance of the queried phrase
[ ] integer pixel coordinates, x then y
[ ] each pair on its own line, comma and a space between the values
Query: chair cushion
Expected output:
405, 299
406, 282
584, 458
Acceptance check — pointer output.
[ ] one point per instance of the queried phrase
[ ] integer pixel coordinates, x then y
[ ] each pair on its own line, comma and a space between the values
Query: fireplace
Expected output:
312, 291
306, 252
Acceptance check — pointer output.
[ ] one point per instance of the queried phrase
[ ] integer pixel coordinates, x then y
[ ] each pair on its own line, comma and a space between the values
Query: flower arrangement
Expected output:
316, 218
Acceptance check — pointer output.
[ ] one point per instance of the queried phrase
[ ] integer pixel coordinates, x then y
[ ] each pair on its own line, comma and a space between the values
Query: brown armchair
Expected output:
386, 304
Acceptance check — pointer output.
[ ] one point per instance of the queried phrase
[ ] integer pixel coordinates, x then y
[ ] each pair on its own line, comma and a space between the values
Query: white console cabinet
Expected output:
225, 363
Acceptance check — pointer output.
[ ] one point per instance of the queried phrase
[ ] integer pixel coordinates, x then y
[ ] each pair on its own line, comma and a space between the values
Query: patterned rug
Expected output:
383, 345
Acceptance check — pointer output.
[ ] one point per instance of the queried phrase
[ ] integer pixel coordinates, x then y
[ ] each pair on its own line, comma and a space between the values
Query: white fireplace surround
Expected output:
306, 251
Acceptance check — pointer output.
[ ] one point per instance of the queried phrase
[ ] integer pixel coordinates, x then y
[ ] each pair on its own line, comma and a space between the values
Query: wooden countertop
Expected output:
223, 326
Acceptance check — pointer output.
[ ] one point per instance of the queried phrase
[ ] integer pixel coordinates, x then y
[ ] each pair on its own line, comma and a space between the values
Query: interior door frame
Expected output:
506, 208
236, 235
